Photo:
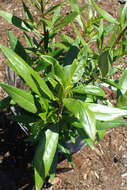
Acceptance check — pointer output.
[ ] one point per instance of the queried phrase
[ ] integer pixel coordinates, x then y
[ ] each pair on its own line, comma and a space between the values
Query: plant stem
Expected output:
46, 39
120, 35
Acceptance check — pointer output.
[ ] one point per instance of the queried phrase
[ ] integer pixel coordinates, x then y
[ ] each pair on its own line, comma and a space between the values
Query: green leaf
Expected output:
104, 63
23, 98
89, 89
56, 15
25, 118
79, 70
70, 72
103, 125
67, 39
123, 82
44, 62
68, 18
52, 8
101, 134
79, 35
19, 23
5, 103
106, 113
59, 73
75, 7
123, 15
44, 156
27, 12
71, 55
104, 13
16, 45
31, 77
85, 116
122, 101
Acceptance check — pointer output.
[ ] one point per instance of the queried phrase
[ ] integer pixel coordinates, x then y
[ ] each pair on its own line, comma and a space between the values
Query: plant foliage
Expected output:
66, 77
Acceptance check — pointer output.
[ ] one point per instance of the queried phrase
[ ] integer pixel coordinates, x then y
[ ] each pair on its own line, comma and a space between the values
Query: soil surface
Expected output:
103, 168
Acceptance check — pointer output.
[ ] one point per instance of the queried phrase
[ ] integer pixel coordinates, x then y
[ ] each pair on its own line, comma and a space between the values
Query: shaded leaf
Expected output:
104, 63
5, 103
71, 55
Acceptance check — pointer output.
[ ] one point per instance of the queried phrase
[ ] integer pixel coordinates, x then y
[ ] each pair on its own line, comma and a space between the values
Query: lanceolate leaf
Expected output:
68, 18
19, 23
23, 98
79, 70
102, 125
44, 156
71, 55
89, 89
85, 116
31, 77
104, 13
104, 63
16, 45
70, 71
59, 73
27, 12
123, 15
106, 113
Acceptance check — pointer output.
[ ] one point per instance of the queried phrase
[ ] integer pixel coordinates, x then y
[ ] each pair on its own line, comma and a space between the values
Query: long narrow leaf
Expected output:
28, 13
23, 98
102, 125
18, 22
44, 156
106, 113
31, 77
68, 18
104, 13
16, 45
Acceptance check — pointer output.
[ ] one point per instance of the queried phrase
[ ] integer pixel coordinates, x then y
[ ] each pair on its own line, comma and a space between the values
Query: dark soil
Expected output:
15, 156
103, 168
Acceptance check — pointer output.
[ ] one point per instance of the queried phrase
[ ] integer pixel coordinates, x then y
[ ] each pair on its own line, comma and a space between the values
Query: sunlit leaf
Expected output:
89, 89
23, 98
19, 23
44, 156
106, 113
123, 82
31, 77
85, 116
104, 13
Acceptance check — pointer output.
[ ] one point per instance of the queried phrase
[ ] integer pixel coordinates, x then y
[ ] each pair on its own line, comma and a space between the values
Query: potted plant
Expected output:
65, 97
